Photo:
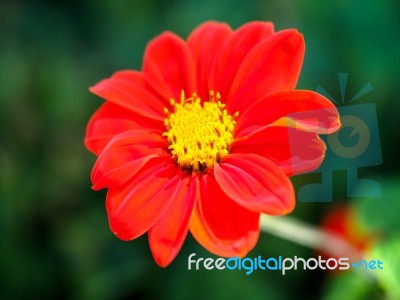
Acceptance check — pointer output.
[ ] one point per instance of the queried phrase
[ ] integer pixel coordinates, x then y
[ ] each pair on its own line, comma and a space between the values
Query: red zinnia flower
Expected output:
205, 137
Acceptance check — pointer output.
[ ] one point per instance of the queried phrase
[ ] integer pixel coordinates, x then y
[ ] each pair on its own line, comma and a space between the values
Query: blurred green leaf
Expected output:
349, 285
381, 214
389, 278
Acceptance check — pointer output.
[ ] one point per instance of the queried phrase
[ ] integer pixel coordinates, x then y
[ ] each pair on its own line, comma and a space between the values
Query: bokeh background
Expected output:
55, 241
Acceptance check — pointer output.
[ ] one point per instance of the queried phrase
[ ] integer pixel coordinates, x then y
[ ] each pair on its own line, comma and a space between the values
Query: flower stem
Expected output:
308, 235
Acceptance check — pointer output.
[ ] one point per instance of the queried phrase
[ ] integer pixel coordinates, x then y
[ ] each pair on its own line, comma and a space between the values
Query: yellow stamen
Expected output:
199, 134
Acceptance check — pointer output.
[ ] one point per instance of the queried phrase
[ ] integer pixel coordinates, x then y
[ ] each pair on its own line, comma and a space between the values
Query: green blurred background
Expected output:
55, 241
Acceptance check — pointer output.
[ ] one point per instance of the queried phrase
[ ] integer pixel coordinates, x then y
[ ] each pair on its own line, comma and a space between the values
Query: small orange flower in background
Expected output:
342, 221
205, 137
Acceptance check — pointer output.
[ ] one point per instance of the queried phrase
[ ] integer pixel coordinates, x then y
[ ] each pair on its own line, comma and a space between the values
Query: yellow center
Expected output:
199, 134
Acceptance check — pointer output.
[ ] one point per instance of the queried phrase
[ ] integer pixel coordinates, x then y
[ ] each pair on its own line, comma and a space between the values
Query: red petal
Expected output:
128, 89
306, 110
135, 207
166, 237
256, 183
168, 66
293, 151
124, 156
220, 225
130, 76
233, 52
204, 42
110, 120
273, 65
